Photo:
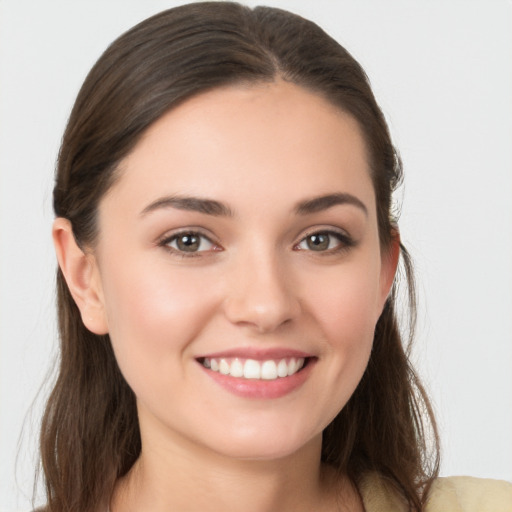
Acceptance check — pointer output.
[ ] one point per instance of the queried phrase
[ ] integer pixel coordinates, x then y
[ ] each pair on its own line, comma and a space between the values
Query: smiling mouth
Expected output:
270, 369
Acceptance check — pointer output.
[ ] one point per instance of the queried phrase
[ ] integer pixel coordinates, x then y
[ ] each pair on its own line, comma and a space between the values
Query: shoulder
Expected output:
468, 494
453, 494
379, 494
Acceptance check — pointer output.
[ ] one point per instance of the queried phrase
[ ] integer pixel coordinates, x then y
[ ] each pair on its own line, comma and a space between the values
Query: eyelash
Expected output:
166, 241
345, 242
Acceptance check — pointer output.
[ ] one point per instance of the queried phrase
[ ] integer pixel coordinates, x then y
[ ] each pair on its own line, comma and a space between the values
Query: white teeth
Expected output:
269, 370
252, 369
282, 368
224, 367
292, 366
237, 368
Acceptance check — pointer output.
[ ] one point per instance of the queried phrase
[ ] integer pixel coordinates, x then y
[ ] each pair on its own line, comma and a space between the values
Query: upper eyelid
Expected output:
346, 241
165, 242
325, 229
172, 234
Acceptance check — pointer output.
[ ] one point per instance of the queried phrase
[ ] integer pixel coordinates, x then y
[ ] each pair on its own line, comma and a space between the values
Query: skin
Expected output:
255, 282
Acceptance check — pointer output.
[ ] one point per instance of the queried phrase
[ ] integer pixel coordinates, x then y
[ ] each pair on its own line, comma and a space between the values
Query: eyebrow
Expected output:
218, 209
321, 203
196, 204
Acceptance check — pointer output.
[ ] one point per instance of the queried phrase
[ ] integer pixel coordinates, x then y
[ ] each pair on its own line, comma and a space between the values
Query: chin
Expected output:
265, 444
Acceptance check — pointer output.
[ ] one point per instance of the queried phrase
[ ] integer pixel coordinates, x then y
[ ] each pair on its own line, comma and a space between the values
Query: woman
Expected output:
227, 255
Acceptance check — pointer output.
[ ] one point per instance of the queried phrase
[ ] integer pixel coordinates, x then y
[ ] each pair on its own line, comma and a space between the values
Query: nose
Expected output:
261, 293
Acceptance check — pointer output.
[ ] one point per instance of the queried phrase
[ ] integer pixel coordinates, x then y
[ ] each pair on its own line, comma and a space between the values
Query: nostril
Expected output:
261, 299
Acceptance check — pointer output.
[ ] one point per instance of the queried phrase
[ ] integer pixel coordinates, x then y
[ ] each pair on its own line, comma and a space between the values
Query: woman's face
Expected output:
240, 244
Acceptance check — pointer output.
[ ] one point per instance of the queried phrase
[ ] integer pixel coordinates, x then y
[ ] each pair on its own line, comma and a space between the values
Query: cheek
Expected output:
346, 304
153, 313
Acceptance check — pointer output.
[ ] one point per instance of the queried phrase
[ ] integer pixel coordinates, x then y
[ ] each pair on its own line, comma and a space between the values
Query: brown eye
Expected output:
189, 242
325, 241
318, 242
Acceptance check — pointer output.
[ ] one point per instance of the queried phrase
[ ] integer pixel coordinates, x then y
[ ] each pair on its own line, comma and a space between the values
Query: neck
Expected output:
178, 477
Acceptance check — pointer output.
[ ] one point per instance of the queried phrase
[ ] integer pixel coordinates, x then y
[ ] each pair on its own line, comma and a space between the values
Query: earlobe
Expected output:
82, 277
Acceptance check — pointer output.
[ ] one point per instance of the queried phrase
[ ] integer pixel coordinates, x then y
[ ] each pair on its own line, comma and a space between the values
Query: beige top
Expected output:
452, 494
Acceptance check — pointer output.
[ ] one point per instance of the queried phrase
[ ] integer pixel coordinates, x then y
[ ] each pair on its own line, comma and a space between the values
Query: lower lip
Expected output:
260, 388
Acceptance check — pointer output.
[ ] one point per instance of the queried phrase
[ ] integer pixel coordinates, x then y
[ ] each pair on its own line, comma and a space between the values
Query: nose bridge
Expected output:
261, 291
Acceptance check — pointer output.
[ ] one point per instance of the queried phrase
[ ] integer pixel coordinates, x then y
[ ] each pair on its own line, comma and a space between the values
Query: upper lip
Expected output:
259, 354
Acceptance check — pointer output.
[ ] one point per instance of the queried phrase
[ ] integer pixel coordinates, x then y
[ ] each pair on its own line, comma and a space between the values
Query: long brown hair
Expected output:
90, 435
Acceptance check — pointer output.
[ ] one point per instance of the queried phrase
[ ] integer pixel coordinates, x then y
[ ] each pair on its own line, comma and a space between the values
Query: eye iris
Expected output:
188, 243
318, 242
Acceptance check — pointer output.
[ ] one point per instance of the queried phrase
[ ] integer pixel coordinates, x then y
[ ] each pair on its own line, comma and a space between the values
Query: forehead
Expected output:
276, 140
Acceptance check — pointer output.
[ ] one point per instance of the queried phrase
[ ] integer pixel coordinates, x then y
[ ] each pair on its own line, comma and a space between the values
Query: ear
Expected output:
389, 264
82, 276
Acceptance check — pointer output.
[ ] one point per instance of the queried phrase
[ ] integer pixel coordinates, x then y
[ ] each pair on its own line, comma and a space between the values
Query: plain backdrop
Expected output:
442, 72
